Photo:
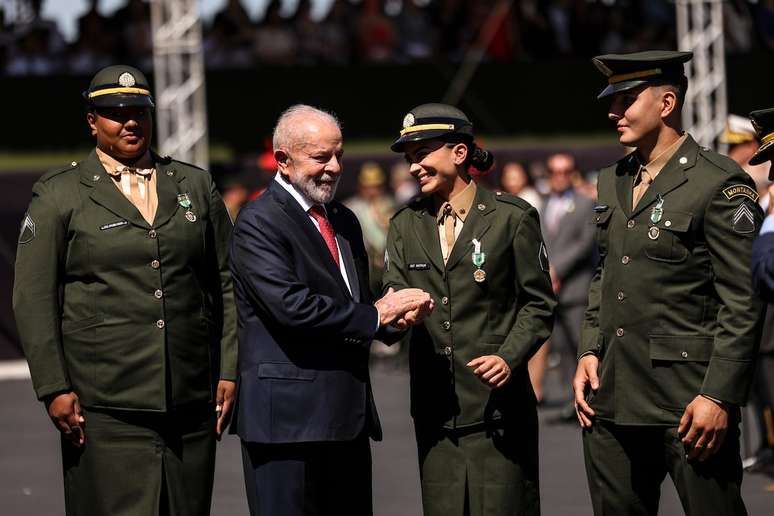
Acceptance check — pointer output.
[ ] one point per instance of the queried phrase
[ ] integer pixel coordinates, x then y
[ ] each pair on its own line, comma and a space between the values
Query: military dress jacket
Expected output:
126, 314
672, 313
509, 313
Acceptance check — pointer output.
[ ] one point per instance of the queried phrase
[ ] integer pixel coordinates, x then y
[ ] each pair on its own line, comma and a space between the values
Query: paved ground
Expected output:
30, 474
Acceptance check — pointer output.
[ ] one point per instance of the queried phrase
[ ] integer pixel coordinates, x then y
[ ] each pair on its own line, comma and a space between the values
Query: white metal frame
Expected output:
700, 29
178, 63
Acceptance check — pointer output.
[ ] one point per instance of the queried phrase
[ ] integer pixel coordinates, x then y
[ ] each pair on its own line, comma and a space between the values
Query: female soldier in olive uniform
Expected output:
480, 255
124, 304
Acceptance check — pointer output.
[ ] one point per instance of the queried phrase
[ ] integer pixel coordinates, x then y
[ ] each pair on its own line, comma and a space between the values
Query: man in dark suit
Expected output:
570, 241
763, 280
305, 410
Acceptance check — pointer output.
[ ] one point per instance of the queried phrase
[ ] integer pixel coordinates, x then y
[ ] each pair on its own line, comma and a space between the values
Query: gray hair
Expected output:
286, 133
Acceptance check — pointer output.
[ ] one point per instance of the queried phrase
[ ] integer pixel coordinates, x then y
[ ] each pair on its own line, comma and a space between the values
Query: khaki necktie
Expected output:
448, 228
641, 184
135, 186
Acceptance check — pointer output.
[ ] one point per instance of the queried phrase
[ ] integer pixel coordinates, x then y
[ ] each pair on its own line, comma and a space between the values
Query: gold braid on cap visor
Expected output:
426, 127
768, 138
615, 79
110, 91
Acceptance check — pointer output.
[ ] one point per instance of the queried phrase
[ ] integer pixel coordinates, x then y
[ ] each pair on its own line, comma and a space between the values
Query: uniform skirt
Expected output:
142, 464
480, 471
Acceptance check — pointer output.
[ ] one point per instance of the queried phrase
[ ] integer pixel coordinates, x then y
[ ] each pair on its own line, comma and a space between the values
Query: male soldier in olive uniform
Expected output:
124, 304
481, 256
763, 280
671, 331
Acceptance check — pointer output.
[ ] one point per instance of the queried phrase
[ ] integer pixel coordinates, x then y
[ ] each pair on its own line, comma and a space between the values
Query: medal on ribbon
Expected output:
658, 210
185, 201
479, 275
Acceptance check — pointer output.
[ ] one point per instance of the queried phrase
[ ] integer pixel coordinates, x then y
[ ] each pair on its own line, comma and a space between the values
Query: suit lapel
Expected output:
309, 232
105, 193
346, 252
426, 230
168, 186
623, 182
672, 175
475, 226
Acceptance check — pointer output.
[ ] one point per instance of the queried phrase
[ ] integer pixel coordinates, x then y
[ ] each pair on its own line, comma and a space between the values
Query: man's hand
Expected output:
491, 370
65, 412
395, 305
415, 316
585, 378
703, 427
224, 400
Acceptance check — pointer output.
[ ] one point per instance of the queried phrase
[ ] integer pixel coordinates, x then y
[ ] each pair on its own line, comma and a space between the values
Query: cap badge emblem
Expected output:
408, 120
126, 80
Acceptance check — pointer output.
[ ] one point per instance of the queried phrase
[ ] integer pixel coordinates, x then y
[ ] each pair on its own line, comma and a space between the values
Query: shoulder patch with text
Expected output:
740, 190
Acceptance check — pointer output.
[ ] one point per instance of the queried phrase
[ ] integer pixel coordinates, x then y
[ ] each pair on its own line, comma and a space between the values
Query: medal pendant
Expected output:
653, 233
184, 201
479, 275
190, 216
658, 211
479, 259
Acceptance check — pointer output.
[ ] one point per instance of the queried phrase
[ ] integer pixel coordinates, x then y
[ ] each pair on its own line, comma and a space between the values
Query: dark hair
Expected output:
478, 158
680, 85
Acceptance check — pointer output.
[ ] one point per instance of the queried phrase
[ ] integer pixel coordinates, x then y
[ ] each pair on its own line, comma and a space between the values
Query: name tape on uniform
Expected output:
113, 225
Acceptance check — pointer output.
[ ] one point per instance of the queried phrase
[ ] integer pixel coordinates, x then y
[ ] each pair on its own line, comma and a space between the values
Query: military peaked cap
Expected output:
627, 71
763, 122
430, 121
119, 86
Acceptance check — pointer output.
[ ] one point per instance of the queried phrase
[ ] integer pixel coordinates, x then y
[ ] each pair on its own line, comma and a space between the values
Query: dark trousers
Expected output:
308, 479
142, 464
480, 471
626, 465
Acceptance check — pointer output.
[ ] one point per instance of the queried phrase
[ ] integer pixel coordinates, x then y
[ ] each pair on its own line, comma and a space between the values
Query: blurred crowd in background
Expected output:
374, 31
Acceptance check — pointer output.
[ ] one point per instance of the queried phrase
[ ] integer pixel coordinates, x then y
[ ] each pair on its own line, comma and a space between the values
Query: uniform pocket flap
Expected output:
82, 324
681, 348
285, 371
675, 221
601, 218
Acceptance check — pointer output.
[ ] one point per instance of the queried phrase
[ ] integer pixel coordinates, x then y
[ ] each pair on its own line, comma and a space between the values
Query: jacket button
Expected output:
620, 295
158, 294
447, 351
446, 325
619, 332
155, 264
684, 354
160, 323
445, 300
625, 259
152, 233
630, 224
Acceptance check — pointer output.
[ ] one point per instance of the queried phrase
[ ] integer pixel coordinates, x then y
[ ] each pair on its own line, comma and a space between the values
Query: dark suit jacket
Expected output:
303, 362
571, 250
763, 280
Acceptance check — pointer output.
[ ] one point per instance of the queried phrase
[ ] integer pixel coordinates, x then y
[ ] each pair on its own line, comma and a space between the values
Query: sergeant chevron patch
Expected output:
743, 219
27, 232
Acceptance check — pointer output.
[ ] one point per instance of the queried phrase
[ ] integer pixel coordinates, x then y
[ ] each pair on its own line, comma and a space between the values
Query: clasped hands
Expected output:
404, 308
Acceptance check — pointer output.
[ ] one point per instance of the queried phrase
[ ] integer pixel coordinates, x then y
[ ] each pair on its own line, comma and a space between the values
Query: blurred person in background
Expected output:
569, 238
516, 181
124, 304
763, 278
480, 255
404, 187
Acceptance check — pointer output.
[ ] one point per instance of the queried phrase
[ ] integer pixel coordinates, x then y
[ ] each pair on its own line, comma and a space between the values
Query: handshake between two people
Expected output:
404, 308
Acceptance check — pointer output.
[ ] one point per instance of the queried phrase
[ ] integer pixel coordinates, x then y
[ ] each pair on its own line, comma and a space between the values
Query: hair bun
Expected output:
482, 160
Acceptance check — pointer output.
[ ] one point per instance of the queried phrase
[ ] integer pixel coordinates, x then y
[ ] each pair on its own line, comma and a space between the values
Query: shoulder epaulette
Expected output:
512, 199
724, 163
53, 173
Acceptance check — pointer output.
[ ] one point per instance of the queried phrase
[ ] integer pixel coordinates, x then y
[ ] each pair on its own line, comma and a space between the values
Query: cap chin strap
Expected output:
426, 127
111, 91
615, 79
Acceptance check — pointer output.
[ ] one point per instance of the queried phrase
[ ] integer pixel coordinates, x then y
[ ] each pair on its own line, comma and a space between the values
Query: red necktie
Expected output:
326, 230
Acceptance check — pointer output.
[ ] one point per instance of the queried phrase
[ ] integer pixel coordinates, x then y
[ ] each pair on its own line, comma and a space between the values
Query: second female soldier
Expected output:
481, 257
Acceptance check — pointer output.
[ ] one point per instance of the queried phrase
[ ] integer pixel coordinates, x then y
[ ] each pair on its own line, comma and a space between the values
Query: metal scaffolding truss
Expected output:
700, 29
178, 63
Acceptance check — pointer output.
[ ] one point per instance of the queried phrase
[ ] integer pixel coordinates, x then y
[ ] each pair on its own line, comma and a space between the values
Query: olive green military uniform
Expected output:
467, 433
138, 320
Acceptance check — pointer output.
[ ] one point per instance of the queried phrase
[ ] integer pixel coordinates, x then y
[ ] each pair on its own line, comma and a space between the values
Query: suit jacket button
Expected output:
630, 224
447, 351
